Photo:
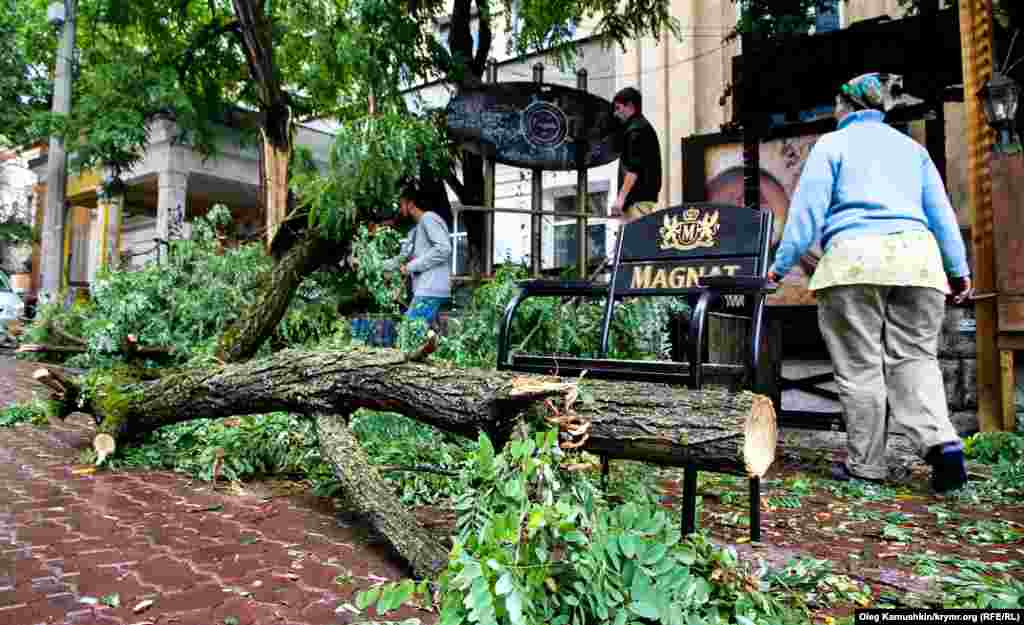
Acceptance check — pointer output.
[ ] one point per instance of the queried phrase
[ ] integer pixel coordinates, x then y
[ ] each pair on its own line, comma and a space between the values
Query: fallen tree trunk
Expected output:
369, 494
640, 421
712, 428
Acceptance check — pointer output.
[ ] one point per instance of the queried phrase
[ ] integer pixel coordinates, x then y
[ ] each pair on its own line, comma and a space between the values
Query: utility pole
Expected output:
61, 14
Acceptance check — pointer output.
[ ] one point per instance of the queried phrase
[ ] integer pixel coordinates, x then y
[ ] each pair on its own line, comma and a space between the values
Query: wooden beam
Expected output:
1009, 390
976, 56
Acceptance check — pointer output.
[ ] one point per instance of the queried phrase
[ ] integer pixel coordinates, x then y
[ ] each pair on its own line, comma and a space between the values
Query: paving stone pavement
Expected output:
70, 539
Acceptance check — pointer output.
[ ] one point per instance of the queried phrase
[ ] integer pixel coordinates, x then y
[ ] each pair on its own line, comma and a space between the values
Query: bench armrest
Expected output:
738, 283
562, 287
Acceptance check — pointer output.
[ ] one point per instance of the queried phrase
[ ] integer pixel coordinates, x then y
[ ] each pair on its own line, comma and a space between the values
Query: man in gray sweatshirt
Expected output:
426, 255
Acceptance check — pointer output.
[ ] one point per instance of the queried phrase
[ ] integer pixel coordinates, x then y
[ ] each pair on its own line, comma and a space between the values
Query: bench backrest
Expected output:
667, 252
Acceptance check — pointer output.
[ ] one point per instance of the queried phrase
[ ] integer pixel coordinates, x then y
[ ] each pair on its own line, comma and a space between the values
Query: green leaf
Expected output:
514, 604
628, 544
365, 599
504, 585
113, 600
643, 609
655, 554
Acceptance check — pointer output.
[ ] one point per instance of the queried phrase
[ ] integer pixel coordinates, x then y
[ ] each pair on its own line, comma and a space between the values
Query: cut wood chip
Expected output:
761, 436
142, 605
104, 445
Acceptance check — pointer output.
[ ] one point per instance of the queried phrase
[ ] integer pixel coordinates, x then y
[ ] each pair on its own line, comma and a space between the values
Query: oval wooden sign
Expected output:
535, 125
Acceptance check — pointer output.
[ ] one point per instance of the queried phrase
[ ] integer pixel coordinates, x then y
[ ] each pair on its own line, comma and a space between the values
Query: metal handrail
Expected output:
521, 211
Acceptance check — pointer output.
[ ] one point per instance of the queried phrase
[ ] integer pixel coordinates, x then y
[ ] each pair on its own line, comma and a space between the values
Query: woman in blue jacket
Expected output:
893, 251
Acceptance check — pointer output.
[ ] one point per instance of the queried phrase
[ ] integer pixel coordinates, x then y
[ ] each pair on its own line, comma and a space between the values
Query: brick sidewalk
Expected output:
71, 541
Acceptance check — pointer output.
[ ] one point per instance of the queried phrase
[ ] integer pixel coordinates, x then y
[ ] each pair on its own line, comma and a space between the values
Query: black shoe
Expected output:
841, 473
948, 470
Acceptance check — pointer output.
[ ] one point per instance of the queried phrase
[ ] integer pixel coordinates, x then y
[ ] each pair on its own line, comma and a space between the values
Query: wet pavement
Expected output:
83, 547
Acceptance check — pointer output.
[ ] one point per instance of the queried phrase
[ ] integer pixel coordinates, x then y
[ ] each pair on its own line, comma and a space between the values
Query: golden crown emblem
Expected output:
693, 231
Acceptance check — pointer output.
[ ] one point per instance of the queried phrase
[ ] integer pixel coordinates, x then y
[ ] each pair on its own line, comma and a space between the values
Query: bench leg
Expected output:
605, 472
689, 500
755, 509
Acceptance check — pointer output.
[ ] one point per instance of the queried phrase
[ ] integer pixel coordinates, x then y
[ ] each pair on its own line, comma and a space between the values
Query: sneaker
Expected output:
841, 473
948, 469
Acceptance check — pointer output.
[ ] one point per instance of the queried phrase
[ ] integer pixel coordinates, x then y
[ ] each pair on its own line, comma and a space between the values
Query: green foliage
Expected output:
995, 447
1005, 452
990, 531
276, 443
815, 583
24, 84
370, 158
969, 588
183, 303
778, 18
370, 251
401, 442
548, 325
544, 24
537, 544
33, 411
15, 231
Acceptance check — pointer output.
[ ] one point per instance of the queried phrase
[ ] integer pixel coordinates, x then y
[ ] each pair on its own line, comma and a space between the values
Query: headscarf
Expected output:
873, 91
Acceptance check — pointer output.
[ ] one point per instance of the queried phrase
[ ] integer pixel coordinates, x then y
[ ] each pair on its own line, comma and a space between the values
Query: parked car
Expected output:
11, 305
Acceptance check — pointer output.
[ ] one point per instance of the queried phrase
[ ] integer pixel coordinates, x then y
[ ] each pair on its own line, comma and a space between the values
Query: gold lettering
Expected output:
689, 234
676, 277
641, 277
660, 280
730, 270
692, 277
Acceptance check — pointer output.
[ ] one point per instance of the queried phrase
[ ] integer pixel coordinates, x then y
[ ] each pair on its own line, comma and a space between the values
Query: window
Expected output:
597, 204
565, 243
827, 16
565, 228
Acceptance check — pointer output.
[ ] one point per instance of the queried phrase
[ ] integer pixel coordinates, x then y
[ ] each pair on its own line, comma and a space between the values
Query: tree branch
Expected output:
206, 35
483, 50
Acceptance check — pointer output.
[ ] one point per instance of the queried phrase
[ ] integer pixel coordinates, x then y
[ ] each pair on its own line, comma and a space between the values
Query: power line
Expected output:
690, 59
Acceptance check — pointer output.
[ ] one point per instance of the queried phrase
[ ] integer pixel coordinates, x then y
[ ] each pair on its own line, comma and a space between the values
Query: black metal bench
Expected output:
711, 254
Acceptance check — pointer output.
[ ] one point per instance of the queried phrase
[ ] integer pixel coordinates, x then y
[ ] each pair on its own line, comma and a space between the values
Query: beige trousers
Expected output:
636, 210
884, 343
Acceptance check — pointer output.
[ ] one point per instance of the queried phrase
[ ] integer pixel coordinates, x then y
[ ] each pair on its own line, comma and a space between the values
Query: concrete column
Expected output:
107, 230
172, 198
56, 175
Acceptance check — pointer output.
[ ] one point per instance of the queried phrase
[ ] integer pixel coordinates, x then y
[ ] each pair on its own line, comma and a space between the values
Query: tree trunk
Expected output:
277, 153
369, 494
255, 35
245, 336
712, 428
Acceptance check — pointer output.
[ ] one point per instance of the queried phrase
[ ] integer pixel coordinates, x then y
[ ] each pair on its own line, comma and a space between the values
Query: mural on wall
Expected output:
781, 163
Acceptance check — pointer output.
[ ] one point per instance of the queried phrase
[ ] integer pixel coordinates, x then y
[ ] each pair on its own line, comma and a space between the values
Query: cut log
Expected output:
656, 423
713, 429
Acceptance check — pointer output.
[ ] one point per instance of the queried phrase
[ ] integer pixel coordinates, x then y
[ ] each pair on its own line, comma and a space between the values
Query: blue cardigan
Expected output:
868, 178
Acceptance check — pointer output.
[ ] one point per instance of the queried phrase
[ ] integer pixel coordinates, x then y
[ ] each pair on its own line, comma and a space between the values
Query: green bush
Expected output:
538, 544
549, 325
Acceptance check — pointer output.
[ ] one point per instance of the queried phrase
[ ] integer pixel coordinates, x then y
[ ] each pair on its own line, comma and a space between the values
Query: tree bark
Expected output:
639, 421
368, 493
711, 428
255, 34
244, 337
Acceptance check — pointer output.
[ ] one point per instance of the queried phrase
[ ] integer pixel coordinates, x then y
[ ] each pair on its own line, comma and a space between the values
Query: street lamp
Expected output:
999, 98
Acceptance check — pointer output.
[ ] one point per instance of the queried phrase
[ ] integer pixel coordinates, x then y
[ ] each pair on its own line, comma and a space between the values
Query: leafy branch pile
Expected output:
546, 325
537, 543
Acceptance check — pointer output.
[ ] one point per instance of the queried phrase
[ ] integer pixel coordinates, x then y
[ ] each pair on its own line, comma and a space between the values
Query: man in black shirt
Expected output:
639, 160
